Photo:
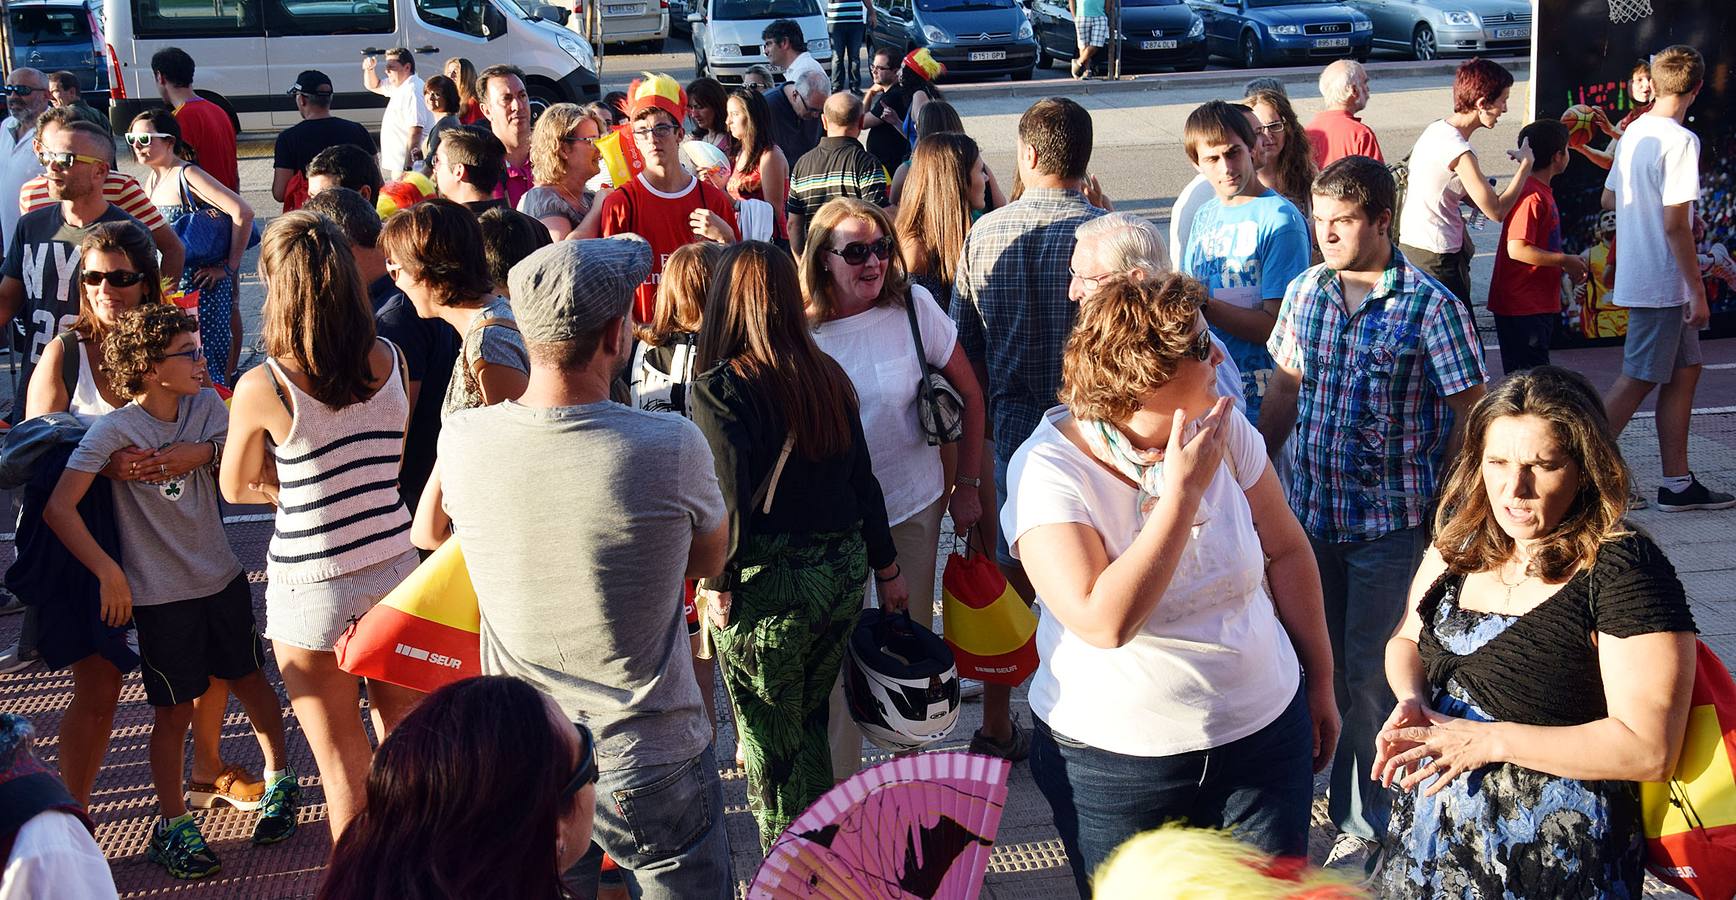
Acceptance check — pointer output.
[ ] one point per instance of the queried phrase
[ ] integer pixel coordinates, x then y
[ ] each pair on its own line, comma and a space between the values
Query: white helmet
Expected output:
901, 682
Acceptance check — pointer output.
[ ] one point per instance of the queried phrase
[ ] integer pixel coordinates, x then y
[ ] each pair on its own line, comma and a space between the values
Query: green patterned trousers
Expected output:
792, 613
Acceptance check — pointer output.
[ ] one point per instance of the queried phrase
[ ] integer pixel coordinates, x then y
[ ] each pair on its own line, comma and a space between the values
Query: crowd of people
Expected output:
1275, 512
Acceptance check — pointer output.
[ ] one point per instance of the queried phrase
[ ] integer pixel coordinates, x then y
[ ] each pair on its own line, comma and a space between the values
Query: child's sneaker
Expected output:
181, 849
277, 810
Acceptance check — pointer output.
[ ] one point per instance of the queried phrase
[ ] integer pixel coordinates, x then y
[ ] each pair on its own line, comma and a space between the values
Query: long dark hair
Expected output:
317, 312
934, 212
162, 121
464, 799
759, 116
755, 324
711, 94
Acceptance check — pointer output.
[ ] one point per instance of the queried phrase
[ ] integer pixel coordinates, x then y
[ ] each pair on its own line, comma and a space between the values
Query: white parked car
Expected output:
726, 34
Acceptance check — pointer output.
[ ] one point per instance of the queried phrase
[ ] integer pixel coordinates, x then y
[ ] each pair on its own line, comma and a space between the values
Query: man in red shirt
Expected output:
1335, 131
204, 125
663, 204
1525, 290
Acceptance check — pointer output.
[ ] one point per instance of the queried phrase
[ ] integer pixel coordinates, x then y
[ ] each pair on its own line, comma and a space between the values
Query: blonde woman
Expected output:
564, 158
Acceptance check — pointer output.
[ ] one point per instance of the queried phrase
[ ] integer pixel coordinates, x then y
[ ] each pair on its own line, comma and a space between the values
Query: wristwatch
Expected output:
968, 482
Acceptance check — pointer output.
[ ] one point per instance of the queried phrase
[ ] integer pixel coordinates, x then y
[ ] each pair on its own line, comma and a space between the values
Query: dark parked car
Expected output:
51, 35
1154, 33
1263, 32
970, 37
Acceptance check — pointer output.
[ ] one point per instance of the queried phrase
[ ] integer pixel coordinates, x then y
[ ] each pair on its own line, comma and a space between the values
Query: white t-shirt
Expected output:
877, 352
1430, 219
1181, 215
1657, 164
1212, 664
804, 61
404, 111
54, 857
18, 164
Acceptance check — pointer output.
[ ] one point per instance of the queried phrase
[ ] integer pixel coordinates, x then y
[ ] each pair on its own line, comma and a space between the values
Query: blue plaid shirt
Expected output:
1372, 419
1009, 299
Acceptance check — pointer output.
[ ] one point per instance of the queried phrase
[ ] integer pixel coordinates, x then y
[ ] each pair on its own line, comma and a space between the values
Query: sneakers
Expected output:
15, 659
9, 603
1012, 749
180, 848
277, 810
1353, 855
1636, 500
1694, 496
232, 786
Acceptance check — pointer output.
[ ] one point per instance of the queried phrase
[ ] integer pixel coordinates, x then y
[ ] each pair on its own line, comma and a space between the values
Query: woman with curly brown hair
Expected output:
1289, 168
1149, 519
1544, 667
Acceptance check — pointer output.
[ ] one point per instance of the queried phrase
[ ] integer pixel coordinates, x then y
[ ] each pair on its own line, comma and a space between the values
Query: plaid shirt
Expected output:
1372, 418
1009, 299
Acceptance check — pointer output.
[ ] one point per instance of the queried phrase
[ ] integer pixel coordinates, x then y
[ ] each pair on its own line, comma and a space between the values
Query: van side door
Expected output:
226, 39
332, 36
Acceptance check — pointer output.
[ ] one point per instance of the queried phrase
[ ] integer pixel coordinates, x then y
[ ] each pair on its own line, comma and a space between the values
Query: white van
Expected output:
248, 52
726, 34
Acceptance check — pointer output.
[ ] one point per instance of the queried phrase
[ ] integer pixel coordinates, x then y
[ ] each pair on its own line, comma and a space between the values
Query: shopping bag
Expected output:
425, 634
993, 634
1690, 820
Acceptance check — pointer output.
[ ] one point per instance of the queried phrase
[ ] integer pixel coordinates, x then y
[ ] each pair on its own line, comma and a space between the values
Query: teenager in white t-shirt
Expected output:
1148, 518
1652, 185
1444, 172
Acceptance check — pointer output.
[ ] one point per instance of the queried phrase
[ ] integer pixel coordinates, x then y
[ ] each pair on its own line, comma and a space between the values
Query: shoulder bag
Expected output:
939, 407
205, 231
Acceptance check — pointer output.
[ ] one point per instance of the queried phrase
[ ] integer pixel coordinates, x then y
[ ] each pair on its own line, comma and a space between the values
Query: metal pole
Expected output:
1114, 39
5, 39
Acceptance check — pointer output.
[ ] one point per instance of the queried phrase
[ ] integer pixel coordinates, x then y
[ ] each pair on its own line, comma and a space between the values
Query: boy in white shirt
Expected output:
1652, 185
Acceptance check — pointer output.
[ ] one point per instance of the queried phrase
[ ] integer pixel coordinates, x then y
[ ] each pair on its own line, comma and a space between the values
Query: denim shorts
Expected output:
311, 616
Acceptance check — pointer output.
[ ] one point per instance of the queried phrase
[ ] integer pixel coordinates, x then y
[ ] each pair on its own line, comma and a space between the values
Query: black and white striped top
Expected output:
338, 504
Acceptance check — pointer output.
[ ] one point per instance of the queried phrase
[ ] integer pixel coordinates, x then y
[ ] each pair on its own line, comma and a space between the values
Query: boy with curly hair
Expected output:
178, 580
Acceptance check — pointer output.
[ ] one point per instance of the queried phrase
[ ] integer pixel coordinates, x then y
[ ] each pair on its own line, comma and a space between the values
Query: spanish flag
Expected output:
1690, 821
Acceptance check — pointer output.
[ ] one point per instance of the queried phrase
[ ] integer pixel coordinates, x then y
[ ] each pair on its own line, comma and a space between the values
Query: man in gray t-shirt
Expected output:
580, 520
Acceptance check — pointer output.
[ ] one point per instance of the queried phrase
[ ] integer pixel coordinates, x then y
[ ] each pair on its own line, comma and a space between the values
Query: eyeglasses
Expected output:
65, 160
144, 138
575, 139
118, 278
662, 131
21, 90
756, 84
393, 270
872, 67
1091, 282
586, 773
197, 354
1273, 128
856, 253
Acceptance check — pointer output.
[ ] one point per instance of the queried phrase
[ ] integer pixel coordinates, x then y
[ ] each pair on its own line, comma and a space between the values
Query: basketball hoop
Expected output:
1624, 11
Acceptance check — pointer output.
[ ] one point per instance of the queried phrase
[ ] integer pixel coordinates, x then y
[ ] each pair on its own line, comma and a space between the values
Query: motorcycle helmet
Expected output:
900, 681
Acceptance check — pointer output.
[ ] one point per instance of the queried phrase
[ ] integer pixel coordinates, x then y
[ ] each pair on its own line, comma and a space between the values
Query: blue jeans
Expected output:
1366, 584
1259, 787
848, 39
663, 825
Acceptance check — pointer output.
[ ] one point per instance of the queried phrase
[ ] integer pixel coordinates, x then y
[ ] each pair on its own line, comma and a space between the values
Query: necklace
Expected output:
1500, 575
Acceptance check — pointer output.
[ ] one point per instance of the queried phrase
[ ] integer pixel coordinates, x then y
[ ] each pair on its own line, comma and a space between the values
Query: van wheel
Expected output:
223, 103
541, 98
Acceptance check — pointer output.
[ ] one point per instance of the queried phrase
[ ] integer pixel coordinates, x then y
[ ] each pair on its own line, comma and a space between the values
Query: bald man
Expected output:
26, 98
839, 166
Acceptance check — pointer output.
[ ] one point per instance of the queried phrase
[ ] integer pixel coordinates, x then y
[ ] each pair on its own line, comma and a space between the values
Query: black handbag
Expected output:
939, 406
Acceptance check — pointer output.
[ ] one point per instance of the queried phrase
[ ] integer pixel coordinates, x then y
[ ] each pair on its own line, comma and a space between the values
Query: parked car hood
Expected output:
746, 32
1176, 17
968, 23
1303, 13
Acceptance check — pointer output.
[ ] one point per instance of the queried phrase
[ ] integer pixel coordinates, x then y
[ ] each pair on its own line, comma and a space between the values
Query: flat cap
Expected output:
570, 288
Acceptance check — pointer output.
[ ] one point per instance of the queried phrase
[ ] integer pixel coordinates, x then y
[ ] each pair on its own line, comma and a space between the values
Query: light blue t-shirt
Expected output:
1245, 254
1092, 8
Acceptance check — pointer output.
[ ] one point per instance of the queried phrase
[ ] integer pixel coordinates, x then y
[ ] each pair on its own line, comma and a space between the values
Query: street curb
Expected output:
1188, 81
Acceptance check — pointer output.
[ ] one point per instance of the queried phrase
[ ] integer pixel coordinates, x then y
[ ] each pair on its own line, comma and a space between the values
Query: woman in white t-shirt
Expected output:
861, 305
1148, 519
1443, 173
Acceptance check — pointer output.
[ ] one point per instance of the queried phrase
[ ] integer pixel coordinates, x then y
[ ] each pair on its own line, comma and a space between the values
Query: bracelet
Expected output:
216, 454
968, 482
896, 571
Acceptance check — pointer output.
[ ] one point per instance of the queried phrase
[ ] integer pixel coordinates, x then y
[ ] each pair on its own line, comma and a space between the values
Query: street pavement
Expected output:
1139, 160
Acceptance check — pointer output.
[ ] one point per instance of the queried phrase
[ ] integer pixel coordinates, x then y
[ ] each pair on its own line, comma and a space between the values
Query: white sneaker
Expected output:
969, 689
14, 660
1352, 854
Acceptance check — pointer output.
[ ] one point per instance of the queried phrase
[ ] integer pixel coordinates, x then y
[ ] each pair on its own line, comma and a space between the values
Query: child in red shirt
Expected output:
1525, 291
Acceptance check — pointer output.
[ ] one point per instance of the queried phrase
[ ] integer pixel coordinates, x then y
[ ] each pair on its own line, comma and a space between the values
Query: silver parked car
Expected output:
1429, 29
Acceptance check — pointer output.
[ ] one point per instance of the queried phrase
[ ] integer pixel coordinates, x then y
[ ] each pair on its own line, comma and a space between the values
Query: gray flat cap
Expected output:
570, 288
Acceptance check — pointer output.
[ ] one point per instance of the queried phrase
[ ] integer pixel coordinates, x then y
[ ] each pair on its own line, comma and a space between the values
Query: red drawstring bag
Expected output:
992, 633
1690, 820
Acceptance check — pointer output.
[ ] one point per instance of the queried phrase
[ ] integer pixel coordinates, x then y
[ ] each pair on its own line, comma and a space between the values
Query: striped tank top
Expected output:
338, 504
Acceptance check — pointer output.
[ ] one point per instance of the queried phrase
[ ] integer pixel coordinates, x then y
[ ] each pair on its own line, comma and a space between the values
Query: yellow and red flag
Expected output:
1690, 820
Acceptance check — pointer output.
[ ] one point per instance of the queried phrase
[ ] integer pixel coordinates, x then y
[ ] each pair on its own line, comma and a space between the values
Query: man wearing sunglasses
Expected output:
301, 142
26, 99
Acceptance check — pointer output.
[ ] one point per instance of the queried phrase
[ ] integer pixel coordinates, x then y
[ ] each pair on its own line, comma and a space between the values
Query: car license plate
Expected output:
1157, 45
1501, 33
625, 9
1332, 42
987, 55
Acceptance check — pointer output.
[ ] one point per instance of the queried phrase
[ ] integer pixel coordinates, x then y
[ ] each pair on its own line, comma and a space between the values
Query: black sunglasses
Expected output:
856, 253
21, 90
586, 773
1202, 346
118, 278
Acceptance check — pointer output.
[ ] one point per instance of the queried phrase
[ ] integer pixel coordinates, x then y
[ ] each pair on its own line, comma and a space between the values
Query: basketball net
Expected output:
1623, 11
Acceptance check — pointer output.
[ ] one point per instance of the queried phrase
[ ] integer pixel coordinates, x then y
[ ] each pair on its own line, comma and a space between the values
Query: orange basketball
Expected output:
1580, 122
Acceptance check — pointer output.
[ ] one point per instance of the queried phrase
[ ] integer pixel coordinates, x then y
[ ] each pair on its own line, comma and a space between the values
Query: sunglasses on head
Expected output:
856, 253
586, 772
144, 138
65, 160
118, 278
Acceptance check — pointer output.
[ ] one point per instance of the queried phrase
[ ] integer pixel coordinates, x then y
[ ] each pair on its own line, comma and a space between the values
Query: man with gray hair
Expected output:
588, 607
795, 107
1335, 131
26, 99
1121, 243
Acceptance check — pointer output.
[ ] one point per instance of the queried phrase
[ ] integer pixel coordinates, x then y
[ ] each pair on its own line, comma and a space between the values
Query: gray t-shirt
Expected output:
576, 524
172, 542
544, 200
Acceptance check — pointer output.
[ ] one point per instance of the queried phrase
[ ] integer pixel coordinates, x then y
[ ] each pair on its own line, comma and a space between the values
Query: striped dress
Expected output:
338, 504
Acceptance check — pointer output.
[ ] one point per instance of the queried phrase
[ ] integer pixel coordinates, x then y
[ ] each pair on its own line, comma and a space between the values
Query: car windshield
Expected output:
49, 25
732, 10
961, 5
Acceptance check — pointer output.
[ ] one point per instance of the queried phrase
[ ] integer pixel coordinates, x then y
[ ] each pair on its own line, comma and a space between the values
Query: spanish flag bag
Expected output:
992, 633
1690, 820
425, 634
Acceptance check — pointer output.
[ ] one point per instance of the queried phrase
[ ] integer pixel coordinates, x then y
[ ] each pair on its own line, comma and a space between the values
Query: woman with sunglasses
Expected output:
177, 187
1173, 683
807, 523
485, 790
564, 158
860, 303
761, 171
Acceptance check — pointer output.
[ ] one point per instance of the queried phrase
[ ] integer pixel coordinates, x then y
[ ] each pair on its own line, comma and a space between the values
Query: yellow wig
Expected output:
1180, 863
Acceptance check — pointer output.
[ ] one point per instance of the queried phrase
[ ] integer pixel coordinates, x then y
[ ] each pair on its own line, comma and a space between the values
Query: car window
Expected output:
50, 25
176, 18
1267, 3
961, 5
316, 17
736, 10
457, 15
